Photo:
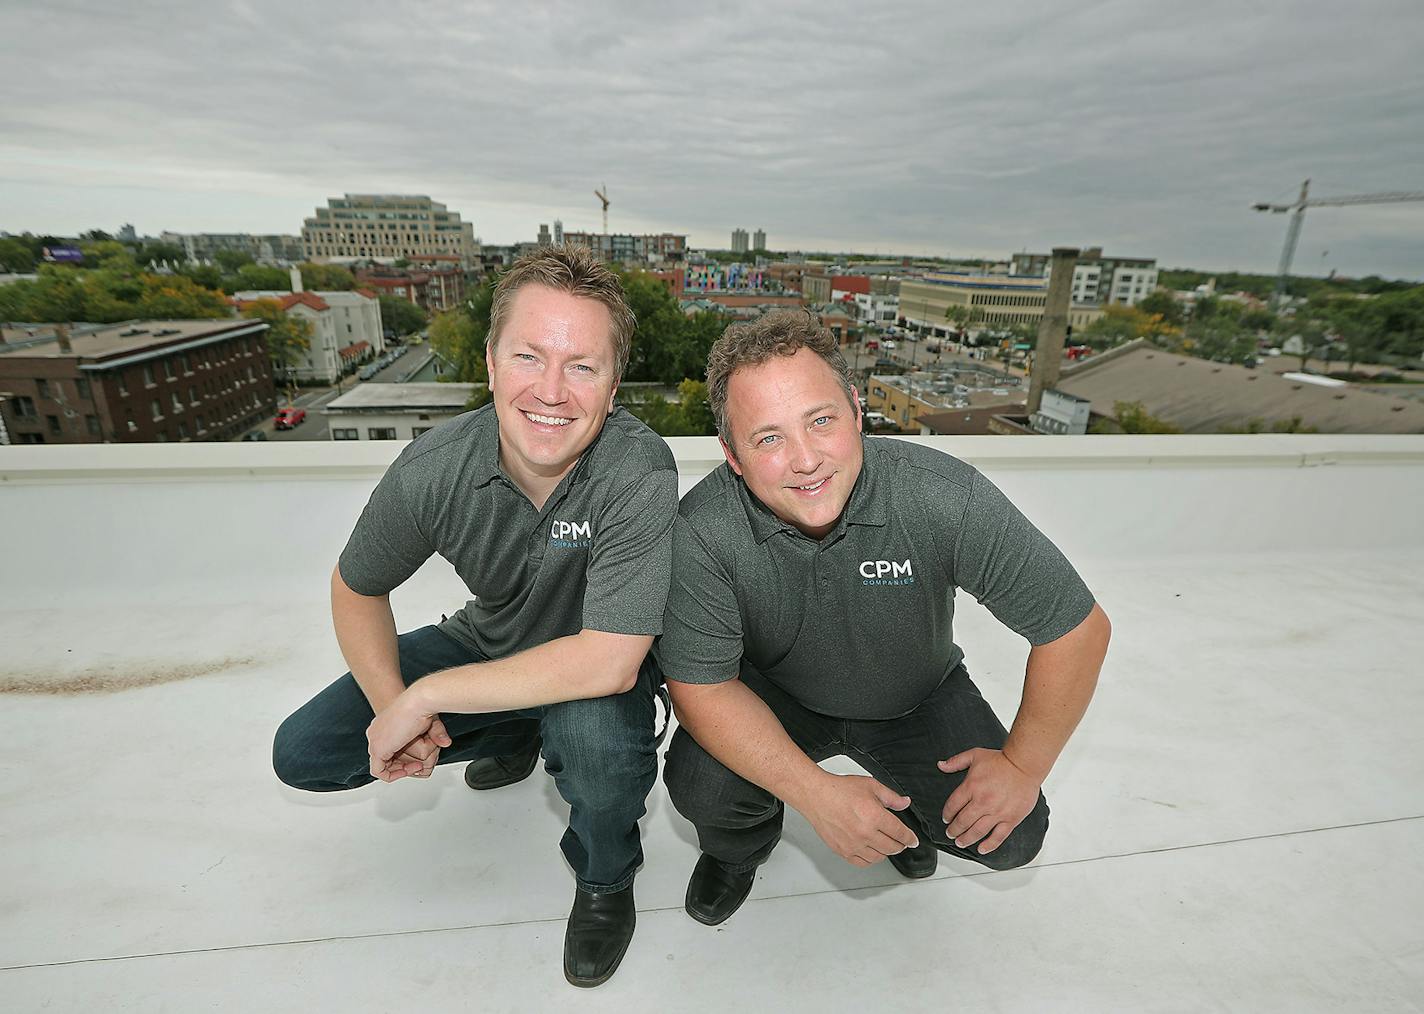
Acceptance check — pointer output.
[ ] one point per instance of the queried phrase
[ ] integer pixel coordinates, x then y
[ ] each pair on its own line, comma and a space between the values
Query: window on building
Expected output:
162, 437
24, 408
416, 431
123, 387
157, 409
53, 421
148, 380
42, 389
182, 431
199, 423
186, 363
82, 386
168, 368
345, 434
381, 433
177, 402
91, 422
30, 438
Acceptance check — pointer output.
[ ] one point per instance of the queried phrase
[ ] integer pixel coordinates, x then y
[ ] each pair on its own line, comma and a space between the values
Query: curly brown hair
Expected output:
751, 343
577, 271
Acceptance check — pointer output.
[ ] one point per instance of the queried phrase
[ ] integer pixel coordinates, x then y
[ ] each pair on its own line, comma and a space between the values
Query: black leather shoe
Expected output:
600, 926
715, 892
918, 862
496, 772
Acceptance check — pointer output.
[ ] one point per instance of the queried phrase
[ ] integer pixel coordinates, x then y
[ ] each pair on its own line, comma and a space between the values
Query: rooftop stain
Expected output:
111, 679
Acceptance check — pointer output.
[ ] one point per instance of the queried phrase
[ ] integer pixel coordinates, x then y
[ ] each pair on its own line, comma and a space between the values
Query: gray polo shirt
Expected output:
861, 623
597, 556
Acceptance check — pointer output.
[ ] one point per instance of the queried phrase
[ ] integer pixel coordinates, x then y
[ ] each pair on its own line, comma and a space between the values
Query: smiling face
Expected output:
553, 374
795, 439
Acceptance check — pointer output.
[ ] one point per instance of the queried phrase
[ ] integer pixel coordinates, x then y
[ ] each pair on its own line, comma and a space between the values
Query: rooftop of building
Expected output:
972, 281
403, 397
1201, 396
103, 341
1236, 823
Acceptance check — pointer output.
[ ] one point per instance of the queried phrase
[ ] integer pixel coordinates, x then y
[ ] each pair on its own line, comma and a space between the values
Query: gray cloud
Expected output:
1147, 127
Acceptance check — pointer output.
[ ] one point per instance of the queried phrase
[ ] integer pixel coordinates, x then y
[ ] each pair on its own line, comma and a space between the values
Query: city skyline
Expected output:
1015, 130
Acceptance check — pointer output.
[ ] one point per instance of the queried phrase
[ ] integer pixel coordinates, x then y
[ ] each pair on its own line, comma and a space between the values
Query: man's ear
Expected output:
489, 366
612, 396
731, 458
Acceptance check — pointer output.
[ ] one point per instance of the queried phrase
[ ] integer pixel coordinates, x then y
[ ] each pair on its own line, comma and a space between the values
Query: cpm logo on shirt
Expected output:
570, 534
886, 572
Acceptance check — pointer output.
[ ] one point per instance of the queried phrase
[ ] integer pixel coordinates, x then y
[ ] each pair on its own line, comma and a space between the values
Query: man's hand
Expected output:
991, 801
404, 740
852, 815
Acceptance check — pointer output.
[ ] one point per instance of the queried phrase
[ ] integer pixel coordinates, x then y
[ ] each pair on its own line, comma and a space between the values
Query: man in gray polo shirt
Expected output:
811, 614
556, 510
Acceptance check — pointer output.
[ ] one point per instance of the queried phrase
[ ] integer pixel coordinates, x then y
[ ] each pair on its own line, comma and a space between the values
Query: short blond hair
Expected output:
577, 271
780, 333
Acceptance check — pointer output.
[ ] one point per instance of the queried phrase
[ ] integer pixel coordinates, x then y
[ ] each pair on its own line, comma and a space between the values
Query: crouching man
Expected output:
556, 511
811, 615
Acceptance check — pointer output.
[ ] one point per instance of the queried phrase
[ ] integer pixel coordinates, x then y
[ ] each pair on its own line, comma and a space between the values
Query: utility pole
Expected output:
1053, 330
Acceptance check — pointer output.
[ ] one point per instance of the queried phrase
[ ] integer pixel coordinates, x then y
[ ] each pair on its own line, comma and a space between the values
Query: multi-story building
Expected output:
991, 301
204, 246
558, 232
434, 289
136, 382
395, 411
739, 241
877, 309
626, 248
724, 278
759, 240
387, 227
1096, 279
545, 237
346, 329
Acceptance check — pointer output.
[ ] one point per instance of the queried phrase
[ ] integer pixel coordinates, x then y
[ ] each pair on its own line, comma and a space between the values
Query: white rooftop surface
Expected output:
1237, 825
366, 397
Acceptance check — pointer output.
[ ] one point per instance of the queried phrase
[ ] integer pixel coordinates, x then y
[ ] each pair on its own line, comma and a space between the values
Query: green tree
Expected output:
288, 336
209, 276
230, 261
57, 295
1124, 323
155, 253
458, 338
1132, 417
251, 277
16, 257
401, 315
175, 297
1162, 303
689, 416
326, 278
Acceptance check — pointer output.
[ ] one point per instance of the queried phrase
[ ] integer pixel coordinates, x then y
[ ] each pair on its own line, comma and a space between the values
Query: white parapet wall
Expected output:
225, 522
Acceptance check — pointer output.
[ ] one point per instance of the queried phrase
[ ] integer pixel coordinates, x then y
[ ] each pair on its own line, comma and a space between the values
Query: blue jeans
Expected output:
739, 823
601, 752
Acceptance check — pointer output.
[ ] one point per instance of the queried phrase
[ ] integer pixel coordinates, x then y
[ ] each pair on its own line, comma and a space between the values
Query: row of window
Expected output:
53, 388
375, 432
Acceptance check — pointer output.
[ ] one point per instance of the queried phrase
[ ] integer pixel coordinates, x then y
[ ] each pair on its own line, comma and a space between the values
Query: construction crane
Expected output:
602, 195
1297, 219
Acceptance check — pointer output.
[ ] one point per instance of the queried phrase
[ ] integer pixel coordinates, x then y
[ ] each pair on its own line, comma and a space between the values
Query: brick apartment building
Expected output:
434, 289
136, 382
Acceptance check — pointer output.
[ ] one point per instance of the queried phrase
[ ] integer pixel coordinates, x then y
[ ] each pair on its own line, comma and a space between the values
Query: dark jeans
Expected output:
601, 752
740, 823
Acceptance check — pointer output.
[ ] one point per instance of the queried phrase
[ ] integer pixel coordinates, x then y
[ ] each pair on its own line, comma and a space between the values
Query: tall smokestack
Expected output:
296, 278
61, 332
1053, 332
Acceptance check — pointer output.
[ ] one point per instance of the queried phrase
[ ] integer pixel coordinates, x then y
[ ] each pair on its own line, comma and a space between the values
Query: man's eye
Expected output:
583, 367
525, 356
768, 439
822, 421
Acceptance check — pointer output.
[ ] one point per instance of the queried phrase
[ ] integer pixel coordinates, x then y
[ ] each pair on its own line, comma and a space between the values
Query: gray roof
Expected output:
404, 398
1200, 396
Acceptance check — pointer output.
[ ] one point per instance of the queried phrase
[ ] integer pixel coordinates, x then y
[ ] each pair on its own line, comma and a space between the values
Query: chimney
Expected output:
296, 279
61, 332
1053, 332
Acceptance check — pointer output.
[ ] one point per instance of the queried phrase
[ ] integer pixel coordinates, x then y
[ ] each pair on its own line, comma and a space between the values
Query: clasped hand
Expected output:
403, 742
995, 796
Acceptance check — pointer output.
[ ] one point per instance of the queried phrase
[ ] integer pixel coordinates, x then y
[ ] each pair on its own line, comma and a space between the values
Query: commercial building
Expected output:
204, 246
739, 241
991, 301
759, 240
346, 329
627, 248
395, 411
903, 400
135, 382
724, 278
387, 227
1096, 279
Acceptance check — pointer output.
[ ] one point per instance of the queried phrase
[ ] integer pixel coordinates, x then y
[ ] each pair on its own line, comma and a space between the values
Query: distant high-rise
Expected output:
127, 234
759, 240
544, 238
204, 246
388, 227
558, 232
739, 241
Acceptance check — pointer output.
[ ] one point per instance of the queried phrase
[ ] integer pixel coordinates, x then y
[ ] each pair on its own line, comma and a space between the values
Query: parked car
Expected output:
871, 345
888, 344
368, 371
290, 417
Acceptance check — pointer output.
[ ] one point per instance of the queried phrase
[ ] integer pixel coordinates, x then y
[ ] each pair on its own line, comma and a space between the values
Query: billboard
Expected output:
63, 255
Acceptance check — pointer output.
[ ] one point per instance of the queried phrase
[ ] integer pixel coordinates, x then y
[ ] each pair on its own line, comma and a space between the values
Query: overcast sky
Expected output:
978, 129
